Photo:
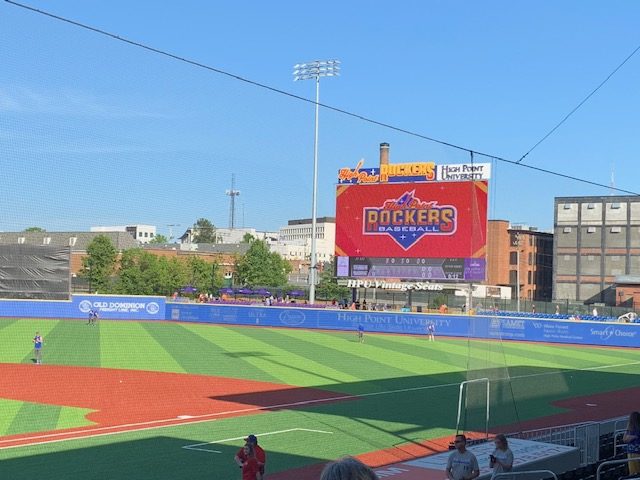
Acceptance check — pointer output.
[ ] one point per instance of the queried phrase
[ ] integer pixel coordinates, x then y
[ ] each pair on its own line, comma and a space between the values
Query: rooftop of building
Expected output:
598, 198
120, 240
305, 221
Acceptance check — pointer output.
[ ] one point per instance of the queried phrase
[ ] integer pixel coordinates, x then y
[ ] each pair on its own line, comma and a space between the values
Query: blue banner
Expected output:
119, 307
480, 327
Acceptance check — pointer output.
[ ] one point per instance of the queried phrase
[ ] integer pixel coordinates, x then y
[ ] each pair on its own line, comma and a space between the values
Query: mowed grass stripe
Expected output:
286, 366
547, 356
444, 353
4, 322
9, 409
197, 355
34, 417
70, 417
72, 343
361, 366
129, 345
17, 339
373, 349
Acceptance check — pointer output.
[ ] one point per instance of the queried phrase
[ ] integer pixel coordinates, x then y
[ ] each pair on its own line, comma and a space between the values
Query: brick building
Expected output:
514, 247
597, 242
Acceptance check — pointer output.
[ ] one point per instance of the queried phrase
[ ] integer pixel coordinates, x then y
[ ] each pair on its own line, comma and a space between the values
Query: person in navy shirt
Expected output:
431, 331
360, 332
38, 341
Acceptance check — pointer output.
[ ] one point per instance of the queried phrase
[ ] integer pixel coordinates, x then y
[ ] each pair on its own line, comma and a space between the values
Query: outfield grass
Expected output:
409, 389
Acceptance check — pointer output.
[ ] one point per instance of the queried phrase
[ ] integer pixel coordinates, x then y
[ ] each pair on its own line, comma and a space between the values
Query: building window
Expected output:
591, 206
513, 277
591, 229
566, 230
530, 260
566, 206
72, 241
616, 229
615, 206
529, 277
513, 258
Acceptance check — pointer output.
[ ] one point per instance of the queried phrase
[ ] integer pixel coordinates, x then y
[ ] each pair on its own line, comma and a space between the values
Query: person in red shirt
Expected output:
250, 467
260, 455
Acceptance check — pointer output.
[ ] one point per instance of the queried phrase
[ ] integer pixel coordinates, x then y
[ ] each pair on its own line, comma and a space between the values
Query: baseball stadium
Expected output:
377, 333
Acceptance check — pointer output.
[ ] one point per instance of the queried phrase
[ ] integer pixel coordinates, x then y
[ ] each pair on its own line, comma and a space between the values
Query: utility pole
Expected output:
171, 225
517, 235
233, 193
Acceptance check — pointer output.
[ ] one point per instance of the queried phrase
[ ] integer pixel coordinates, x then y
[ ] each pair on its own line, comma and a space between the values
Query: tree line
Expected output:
138, 272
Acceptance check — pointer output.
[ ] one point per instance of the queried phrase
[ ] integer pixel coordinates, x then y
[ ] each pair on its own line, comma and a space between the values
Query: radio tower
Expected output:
233, 193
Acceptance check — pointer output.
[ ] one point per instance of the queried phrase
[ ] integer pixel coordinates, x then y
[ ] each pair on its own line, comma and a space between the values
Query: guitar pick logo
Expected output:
407, 219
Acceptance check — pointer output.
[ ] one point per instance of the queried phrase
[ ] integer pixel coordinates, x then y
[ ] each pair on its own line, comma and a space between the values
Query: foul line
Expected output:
277, 432
172, 422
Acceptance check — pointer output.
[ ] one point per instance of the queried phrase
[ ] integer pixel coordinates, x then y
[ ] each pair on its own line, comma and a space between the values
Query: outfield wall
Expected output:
117, 307
483, 327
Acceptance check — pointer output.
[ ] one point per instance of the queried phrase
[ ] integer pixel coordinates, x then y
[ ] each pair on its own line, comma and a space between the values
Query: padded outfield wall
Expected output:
482, 327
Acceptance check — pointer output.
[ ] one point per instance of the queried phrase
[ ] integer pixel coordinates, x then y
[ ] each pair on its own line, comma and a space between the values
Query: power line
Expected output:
328, 107
566, 117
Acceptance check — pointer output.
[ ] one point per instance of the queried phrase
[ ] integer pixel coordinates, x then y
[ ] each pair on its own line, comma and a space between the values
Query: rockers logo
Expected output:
407, 219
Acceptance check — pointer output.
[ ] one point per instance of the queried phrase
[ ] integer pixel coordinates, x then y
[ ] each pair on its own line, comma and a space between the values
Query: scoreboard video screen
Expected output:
463, 269
433, 231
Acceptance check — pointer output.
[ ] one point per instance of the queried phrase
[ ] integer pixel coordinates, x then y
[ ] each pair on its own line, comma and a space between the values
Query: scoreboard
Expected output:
417, 231
460, 269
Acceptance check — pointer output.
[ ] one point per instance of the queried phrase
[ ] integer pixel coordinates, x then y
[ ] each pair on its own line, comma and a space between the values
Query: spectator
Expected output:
347, 468
501, 460
462, 464
632, 439
557, 309
249, 465
595, 312
533, 309
258, 454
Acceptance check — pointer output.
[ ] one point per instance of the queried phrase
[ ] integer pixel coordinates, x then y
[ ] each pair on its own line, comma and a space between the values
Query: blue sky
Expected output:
97, 132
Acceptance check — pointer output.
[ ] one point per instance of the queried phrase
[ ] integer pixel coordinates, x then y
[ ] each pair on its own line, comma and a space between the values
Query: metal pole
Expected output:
312, 268
518, 270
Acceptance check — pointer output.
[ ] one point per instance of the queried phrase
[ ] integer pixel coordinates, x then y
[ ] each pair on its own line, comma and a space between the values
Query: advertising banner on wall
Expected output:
415, 172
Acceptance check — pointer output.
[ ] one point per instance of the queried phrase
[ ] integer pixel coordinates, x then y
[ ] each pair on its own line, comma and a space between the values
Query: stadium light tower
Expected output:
313, 71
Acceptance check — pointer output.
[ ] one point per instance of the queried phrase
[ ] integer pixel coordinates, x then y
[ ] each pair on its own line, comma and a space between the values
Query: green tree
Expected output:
34, 229
260, 267
158, 240
143, 273
175, 275
99, 264
200, 274
204, 231
248, 238
138, 273
328, 287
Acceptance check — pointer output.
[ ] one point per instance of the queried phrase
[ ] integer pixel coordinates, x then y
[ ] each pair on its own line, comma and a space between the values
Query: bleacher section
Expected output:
549, 316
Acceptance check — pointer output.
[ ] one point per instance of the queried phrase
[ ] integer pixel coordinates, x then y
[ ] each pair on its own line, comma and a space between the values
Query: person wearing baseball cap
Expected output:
261, 456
